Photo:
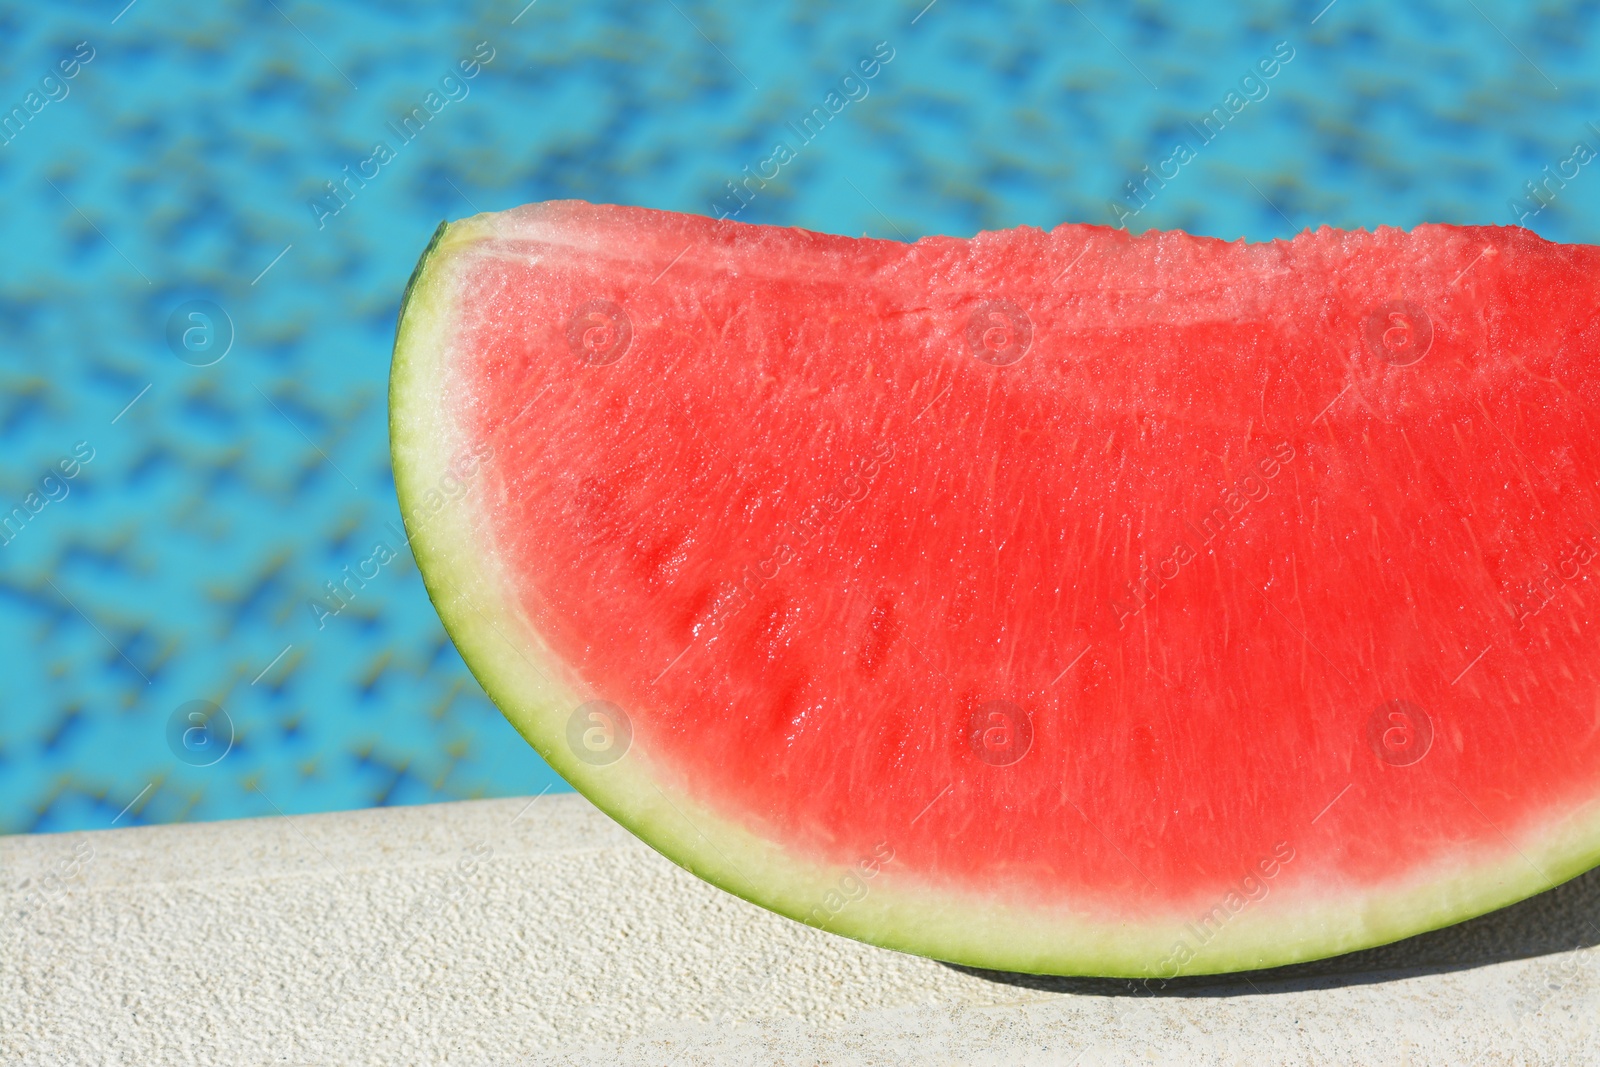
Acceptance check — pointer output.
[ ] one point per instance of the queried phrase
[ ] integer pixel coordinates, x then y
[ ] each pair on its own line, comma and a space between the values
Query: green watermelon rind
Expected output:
1295, 923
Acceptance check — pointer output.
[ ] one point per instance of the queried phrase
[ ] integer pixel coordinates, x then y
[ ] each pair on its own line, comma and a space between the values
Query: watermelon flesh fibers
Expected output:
1066, 602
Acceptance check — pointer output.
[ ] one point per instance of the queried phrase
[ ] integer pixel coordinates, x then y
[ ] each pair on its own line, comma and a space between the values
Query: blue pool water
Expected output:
159, 203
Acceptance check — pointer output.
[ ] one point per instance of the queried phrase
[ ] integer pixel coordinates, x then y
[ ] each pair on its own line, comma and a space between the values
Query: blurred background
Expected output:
195, 325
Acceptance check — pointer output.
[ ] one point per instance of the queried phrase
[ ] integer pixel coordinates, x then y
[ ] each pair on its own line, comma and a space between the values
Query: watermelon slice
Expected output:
1065, 602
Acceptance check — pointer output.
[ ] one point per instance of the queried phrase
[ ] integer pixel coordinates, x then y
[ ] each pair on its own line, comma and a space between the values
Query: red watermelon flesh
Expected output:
1071, 602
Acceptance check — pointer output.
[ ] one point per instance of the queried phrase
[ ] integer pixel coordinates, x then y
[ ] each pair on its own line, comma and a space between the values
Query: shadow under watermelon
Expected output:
1561, 919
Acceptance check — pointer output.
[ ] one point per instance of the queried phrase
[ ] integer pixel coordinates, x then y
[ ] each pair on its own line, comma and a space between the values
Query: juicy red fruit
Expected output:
1074, 567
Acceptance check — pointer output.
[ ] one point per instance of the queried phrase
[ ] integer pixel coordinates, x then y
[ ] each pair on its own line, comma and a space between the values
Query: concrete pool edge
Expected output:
537, 931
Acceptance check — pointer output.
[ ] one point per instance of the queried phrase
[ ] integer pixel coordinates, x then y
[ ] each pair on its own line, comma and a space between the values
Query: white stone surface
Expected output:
518, 932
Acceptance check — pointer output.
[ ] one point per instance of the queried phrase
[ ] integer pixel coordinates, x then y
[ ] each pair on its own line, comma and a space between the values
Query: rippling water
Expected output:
165, 170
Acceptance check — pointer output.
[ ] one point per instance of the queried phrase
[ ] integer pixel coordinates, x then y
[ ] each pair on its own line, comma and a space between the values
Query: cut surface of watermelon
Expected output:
1065, 602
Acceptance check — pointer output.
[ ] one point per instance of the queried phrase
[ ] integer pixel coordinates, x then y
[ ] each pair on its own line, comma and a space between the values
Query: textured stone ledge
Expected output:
538, 932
